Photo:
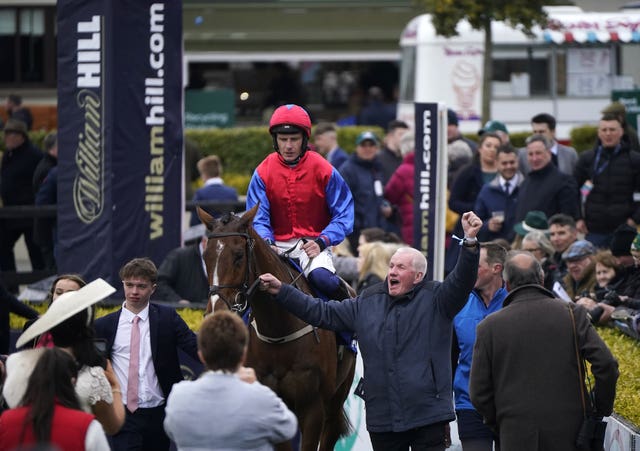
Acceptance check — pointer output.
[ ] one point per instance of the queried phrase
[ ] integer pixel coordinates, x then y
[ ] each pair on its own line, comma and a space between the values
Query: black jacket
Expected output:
181, 276
42, 169
611, 200
168, 333
550, 191
16, 175
8, 304
405, 343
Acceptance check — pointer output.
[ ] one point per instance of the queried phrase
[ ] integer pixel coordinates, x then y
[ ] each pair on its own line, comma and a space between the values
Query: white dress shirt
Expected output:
513, 182
149, 390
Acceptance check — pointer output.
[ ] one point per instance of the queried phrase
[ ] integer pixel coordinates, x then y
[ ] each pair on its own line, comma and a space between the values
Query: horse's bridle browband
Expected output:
245, 290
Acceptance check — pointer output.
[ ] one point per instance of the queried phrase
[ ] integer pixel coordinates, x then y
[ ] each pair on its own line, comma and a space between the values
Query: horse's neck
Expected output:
265, 310
267, 261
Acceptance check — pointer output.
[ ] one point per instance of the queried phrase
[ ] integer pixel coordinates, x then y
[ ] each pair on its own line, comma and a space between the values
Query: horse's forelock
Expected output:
226, 218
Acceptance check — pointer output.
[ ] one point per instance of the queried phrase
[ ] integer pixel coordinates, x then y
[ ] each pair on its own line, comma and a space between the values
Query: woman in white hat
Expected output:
69, 320
60, 285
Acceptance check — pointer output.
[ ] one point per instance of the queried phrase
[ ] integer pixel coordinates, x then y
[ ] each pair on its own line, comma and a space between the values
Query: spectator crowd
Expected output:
525, 226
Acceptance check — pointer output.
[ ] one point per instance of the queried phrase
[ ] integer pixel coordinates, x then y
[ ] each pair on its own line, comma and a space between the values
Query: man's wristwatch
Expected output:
469, 242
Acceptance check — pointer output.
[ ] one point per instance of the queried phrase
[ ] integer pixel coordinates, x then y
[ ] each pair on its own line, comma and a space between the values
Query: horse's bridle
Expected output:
241, 299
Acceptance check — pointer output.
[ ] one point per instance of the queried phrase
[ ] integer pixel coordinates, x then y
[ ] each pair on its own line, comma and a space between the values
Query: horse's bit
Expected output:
241, 299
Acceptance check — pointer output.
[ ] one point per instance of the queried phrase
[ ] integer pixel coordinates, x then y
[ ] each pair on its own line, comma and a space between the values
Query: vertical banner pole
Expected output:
429, 206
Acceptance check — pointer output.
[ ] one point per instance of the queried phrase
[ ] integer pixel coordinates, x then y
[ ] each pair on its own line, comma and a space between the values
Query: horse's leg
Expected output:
311, 426
336, 423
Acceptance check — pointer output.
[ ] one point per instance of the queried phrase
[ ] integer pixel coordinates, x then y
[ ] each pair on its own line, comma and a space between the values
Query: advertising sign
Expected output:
120, 134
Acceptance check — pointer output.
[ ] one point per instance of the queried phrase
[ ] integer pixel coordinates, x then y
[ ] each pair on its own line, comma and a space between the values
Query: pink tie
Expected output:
134, 363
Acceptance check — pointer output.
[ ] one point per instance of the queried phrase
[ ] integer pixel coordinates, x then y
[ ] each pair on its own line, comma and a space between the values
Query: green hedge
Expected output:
584, 137
627, 351
243, 148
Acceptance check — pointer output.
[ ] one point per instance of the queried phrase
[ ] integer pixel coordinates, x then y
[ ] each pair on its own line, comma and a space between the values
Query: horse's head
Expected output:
229, 258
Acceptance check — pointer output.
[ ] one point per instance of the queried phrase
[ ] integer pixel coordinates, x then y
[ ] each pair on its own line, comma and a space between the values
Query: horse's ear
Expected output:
205, 217
247, 217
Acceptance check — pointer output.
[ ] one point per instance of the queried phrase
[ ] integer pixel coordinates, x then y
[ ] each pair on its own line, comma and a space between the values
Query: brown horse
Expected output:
299, 362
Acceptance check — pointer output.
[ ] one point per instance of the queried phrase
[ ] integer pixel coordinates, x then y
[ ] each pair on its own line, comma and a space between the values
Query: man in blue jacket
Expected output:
487, 297
214, 189
404, 327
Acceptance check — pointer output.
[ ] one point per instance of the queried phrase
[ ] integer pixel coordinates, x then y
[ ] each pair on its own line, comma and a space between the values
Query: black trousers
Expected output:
142, 430
424, 438
10, 232
473, 433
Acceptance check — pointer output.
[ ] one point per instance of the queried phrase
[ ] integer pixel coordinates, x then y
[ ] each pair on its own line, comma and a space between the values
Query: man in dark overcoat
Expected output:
525, 373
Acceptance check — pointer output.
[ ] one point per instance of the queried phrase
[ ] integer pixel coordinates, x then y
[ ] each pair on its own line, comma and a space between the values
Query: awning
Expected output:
584, 28
582, 36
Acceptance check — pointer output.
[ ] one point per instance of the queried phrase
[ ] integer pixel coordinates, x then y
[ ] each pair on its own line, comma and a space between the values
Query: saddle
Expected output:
345, 291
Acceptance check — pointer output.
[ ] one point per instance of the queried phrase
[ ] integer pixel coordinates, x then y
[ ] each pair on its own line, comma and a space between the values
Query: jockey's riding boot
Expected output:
325, 282
342, 292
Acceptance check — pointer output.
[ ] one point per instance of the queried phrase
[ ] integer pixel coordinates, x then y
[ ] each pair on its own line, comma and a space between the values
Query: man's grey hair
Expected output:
418, 260
407, 143
540, 239
522, 268
539, 138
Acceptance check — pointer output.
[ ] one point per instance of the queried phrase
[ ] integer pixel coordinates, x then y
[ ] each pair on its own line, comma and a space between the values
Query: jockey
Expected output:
304, 201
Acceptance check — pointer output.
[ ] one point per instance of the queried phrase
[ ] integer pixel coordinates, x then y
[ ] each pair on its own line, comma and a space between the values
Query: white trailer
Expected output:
567, 69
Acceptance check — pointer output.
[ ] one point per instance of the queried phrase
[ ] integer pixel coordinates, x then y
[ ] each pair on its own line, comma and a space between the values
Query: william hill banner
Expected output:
120, 133
430, 186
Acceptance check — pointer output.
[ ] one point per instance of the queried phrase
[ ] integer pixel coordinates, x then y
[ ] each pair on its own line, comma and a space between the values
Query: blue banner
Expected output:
120, 133
426, 184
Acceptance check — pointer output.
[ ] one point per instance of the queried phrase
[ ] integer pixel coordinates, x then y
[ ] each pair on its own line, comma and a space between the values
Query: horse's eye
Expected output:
238, 256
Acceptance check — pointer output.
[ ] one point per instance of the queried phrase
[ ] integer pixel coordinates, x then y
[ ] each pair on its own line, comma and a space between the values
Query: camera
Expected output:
591, 434
101, 346
611, 298
585, 294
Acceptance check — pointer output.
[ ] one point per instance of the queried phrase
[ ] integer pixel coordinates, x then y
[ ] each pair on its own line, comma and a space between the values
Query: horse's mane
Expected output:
270, 261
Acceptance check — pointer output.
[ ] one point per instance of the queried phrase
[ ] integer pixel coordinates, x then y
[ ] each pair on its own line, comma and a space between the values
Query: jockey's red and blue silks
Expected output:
309, 199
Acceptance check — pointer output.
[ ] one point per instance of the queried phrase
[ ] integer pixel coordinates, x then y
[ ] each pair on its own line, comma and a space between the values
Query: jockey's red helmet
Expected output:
290, 119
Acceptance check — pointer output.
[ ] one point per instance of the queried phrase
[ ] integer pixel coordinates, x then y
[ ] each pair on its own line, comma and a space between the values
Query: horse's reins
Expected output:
287, 254
247, 291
